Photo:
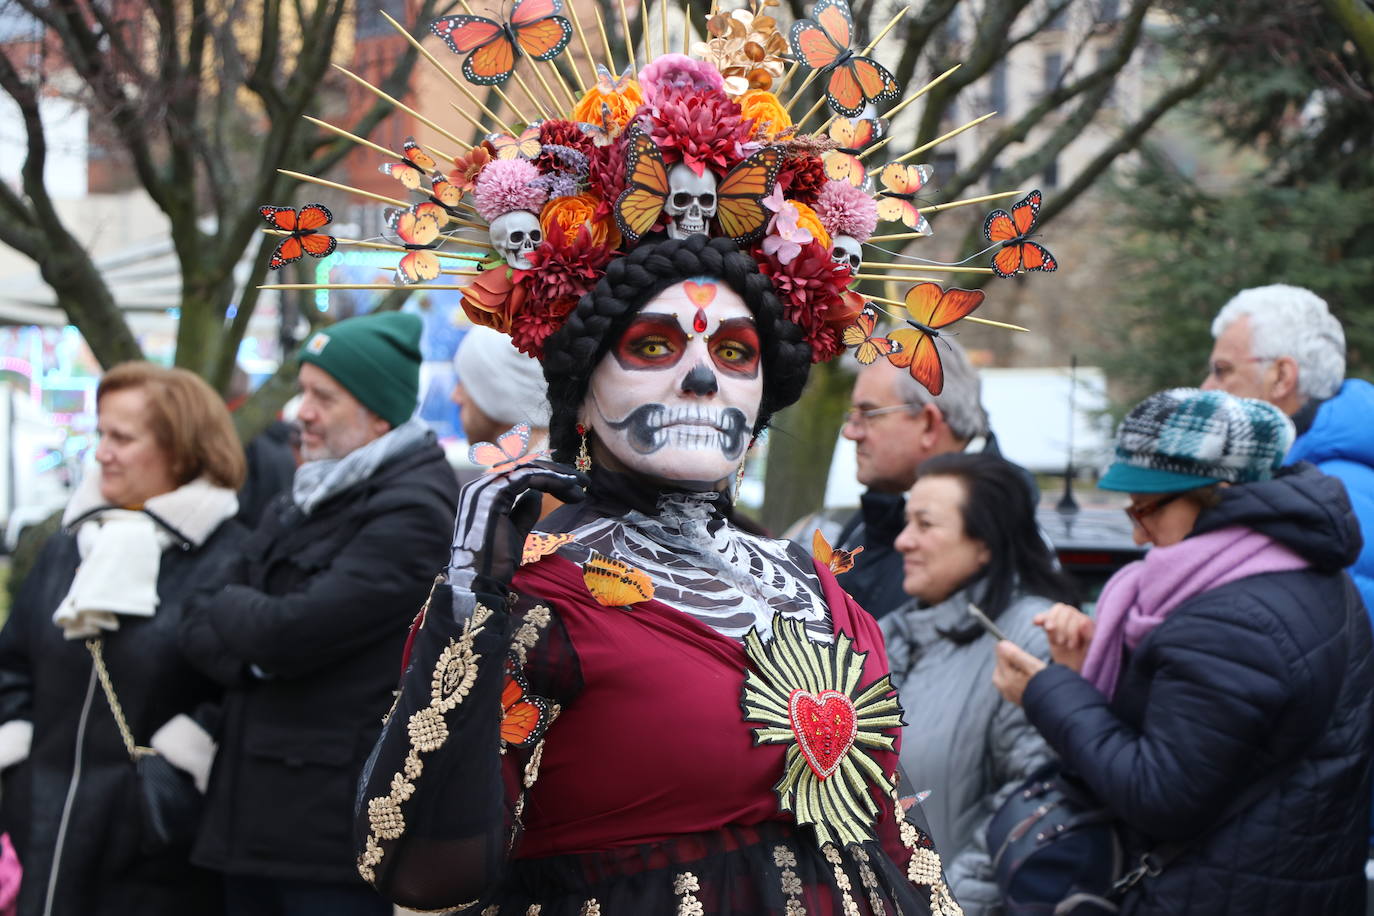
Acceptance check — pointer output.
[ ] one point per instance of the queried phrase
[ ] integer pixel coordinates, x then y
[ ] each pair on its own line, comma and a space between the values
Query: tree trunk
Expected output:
800, 444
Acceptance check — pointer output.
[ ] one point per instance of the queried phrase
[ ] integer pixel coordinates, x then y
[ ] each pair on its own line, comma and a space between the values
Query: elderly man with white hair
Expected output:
1281, 344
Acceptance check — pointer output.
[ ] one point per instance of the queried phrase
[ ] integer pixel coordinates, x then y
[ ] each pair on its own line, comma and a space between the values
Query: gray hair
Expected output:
1291, 321
961, 401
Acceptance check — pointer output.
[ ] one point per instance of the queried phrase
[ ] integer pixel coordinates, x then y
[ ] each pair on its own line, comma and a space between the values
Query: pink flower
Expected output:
845, 210
678, 71
699, 127
506, 185
785, 237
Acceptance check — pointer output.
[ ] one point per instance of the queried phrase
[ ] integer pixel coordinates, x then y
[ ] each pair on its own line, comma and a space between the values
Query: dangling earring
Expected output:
739, 474
584, 458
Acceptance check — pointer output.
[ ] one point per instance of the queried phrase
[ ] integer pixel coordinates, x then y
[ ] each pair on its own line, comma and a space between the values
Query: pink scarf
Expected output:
1142, 594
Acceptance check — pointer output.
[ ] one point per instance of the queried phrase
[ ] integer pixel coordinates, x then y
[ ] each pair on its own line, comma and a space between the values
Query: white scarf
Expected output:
121, 550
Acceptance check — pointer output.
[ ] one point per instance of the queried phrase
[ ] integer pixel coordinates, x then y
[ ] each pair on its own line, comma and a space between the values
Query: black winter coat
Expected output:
1271, 672
50, 681
309, 638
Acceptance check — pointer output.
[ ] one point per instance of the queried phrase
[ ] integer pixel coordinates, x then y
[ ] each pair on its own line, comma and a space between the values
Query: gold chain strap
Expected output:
98, 657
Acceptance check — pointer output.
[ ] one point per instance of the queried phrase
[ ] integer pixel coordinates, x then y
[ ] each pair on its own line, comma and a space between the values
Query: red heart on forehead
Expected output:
825, 725
701, 294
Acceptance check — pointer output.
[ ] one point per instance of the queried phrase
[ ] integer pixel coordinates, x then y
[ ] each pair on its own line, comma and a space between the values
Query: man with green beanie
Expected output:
307, 638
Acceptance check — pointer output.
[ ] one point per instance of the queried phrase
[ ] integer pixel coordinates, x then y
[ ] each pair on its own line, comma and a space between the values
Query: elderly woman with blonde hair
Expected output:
97, 704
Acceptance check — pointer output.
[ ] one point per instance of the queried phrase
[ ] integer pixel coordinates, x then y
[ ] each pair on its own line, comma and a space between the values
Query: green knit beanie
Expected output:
376, 357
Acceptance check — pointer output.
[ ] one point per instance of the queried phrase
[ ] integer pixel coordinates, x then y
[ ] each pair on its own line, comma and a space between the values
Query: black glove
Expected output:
496, 513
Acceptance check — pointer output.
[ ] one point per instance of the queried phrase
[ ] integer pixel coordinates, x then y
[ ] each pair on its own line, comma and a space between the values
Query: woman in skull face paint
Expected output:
657, 712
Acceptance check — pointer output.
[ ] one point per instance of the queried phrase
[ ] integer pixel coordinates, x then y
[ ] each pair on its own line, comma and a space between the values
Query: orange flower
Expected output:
622, 105
493, 297
808, 220
768, 114
563, 216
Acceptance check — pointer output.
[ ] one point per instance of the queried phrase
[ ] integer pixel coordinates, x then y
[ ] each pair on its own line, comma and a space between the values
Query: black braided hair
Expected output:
573, 351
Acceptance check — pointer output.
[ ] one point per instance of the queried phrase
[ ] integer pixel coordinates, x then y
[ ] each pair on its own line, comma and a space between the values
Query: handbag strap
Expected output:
98, 658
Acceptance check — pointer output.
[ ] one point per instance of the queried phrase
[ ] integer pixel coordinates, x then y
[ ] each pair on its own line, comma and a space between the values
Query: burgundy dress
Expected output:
551, 755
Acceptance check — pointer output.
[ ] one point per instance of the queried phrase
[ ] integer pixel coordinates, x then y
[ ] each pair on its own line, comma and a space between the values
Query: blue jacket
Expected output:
1267, 673
1340, 442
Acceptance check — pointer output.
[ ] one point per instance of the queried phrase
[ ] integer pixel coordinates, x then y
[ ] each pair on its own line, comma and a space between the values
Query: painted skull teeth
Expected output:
653, 426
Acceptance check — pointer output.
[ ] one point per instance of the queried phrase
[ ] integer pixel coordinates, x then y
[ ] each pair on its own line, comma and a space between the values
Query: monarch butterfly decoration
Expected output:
539, 545
931, 307
822, 43
411, 170
860, 336
305, 238
524, 717
525, 146
509, 451
843, 163
1018, 253
897, 201
418, 228
534, 29
444, 192
614, 583
838, 561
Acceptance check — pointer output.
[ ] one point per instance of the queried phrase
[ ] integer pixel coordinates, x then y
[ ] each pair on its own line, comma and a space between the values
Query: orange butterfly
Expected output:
839, 561
539, 545
507, 452
931, 308
525, 146
822, 43
444, 192
304, 226
844, 164
614, 583
605, 133
411, 170
523, 717
418, 229
896, 202
1018, 253
534, 28
860, 335
638, 207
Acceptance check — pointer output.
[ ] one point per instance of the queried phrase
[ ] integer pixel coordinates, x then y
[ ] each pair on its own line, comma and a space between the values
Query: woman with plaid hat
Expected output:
1220, 704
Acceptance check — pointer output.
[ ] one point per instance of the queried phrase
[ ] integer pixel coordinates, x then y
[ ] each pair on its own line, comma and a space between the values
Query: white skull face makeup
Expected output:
691, 201
677, 396
515, 235
845, 249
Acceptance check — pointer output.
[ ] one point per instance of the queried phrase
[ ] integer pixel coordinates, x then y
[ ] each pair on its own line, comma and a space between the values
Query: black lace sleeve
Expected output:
440, 797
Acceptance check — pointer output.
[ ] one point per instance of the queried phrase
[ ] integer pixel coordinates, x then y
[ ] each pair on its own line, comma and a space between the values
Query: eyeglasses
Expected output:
1220, 371
859, 416
1138, 512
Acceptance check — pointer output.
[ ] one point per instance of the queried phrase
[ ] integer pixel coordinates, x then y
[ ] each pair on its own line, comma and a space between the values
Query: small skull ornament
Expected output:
691, 201
515, 235
845, 249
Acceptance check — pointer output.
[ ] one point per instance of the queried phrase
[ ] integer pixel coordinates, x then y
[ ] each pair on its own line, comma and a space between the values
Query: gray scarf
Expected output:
316, 481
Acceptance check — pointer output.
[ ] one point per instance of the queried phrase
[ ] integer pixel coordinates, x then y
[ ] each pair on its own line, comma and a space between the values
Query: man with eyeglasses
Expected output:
896, 424
1281, 344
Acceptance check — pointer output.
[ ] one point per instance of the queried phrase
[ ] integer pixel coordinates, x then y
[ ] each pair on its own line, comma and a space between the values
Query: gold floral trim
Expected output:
533, 910
870, 880
454, 674
590, 908
832, 855
536, 619
924, 868
786, 859
686, 886
492, 910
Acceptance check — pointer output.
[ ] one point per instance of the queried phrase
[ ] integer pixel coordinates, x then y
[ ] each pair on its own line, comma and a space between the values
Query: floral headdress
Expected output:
697, 142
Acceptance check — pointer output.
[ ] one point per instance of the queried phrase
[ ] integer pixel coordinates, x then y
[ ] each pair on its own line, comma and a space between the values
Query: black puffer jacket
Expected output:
309, 638
1268, 672
50, 681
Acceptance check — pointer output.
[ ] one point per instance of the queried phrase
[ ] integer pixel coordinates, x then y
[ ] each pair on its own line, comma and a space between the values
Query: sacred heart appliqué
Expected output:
825, 725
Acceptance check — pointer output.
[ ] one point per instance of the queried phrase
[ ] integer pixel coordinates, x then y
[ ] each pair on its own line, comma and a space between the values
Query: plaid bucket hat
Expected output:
1186, 437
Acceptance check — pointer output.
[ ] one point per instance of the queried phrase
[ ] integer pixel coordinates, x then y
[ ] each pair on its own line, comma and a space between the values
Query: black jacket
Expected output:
50, 681
309, 638
875, 581
1271, 672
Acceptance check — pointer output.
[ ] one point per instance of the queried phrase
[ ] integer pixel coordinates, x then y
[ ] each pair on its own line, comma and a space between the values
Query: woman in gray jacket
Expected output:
970, 538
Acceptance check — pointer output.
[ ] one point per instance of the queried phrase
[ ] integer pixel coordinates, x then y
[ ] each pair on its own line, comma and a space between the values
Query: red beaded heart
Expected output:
825, 726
